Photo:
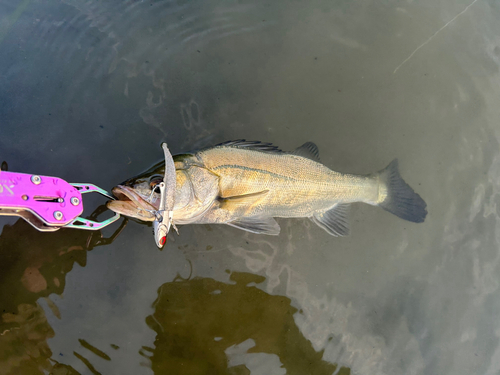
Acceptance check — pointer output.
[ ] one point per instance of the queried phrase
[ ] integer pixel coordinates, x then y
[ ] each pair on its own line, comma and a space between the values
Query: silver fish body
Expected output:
247, 184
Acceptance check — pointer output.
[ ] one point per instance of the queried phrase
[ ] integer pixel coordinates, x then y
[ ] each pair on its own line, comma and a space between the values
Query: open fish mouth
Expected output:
131, 204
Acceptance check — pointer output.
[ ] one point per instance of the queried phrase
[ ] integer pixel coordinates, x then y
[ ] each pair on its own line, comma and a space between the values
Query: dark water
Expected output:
89, 89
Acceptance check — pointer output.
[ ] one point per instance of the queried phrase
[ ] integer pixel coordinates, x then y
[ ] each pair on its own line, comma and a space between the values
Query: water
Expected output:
89, 89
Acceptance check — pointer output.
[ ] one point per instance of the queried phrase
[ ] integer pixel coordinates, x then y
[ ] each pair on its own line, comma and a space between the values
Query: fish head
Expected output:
139, 197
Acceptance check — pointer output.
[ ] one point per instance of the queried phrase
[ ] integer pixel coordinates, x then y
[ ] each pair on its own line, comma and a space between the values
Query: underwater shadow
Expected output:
205, 326
34, 265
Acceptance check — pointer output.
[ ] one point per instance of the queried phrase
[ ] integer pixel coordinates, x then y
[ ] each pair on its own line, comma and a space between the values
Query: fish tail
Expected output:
397, 197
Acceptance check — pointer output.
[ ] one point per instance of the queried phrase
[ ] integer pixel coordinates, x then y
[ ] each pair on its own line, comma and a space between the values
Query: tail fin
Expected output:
401, 200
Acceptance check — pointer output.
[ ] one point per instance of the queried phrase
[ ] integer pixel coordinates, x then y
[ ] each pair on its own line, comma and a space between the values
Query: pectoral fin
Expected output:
240, 201
334, 221
257, 224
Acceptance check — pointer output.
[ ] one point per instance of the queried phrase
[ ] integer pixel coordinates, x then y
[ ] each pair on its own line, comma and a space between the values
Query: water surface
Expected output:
89, 89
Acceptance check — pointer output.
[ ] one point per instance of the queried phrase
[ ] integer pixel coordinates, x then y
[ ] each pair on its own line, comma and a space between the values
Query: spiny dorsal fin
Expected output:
307, 150
257, 224
254, 145
334, 221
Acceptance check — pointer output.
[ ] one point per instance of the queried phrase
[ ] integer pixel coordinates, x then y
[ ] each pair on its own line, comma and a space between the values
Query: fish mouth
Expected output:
131, 204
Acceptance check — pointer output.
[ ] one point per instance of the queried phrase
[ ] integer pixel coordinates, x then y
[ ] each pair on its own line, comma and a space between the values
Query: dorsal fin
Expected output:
254, 145
307, 150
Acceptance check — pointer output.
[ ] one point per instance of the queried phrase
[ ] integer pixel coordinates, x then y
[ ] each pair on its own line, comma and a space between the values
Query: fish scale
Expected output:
297, 186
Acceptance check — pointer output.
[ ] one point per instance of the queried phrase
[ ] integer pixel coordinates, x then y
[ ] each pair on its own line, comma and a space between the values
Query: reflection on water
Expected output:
205, 326
31, 270
34, 265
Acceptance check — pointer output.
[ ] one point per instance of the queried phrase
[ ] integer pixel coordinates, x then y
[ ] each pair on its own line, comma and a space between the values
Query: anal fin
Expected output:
334, 221
258, 225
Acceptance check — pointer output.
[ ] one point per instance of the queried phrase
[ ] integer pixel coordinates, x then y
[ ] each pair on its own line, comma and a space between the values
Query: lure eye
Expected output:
154, 182
163, 240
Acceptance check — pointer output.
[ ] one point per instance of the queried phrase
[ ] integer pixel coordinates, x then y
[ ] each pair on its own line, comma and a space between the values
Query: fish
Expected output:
247, 184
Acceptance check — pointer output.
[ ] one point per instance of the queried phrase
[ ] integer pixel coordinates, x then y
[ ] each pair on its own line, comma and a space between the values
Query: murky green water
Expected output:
89, 89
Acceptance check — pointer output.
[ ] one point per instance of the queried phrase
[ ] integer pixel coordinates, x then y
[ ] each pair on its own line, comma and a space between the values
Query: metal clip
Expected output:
82, 223
91, 188
47, 203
